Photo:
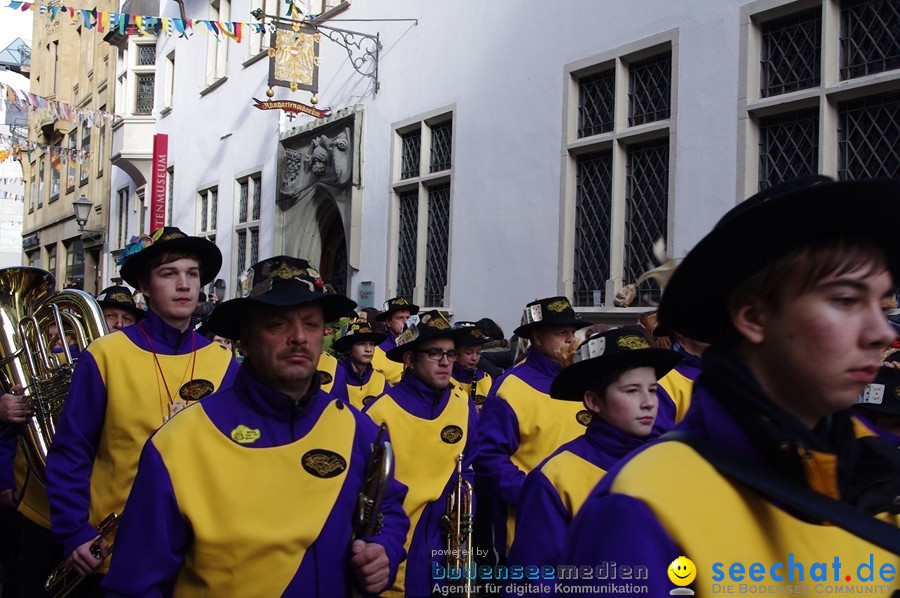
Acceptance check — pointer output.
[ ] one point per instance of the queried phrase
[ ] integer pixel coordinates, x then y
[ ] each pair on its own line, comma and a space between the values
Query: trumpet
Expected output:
64, 578
458, 522
369, 519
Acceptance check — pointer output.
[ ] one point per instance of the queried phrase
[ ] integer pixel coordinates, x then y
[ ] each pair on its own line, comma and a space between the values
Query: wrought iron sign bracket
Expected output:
367, 46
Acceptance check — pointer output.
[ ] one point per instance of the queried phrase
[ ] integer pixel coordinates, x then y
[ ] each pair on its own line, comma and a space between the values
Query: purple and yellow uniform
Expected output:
463, 378
674, 392
286, 533
429, 429
327, 369
657, 505
391, 370
554, 491
357, 390
112, 409
521, 425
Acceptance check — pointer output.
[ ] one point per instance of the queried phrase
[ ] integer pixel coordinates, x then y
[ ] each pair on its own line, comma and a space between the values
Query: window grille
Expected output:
406, 254
791, 53
204, 210
169, 207
788, 146
870, 37
596, 103
213, 207
438, 244
646, 209
144, 101
868, 130
254, 245
649, 89
409, 154
440, 146
241, 255
244, 198
593, 201
146, 55
257, 193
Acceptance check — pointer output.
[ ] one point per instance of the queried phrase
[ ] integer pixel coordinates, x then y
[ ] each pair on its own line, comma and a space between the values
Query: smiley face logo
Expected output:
682, 571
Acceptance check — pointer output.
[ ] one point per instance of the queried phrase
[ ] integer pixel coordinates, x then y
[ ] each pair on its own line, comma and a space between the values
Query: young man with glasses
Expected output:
431, 423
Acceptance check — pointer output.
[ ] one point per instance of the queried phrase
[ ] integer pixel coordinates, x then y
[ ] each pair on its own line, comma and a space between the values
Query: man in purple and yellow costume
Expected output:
771, 486
356, 381
521, 424
676, 387
431, 424
467, 376
254, 491
127, 384
396, 312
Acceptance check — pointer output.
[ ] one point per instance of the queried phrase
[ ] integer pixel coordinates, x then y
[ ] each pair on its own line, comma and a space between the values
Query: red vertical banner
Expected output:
158, 187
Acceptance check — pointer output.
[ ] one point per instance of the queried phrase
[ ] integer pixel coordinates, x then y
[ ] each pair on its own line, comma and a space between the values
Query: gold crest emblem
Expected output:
558, 306
244, 435
476, 333
451, 434
282, 271
632, 342
171, 236
194, 390
584, 417
325, 377
367, 399
438, 324
323, 463
119, 297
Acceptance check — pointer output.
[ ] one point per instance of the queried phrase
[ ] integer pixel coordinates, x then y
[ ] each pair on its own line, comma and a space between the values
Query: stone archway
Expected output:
316, 233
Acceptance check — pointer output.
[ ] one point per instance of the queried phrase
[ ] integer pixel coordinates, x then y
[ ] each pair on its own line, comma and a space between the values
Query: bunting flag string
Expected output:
130, 24
16, 146
25, 100
11, 180
14, 196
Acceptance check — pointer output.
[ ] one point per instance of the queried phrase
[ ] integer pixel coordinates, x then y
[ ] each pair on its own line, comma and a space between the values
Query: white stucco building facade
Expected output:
513, 149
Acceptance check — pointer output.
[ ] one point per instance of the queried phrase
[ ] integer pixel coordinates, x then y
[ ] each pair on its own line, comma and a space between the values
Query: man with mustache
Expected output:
254, 491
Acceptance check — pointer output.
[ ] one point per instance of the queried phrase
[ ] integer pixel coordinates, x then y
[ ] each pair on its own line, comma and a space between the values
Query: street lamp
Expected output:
82, 210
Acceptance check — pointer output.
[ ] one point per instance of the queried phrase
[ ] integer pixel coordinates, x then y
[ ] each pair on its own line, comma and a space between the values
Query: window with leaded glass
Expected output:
143, 103
868, 130
84, 164
410, 150
438, 244
788, 146
122, 204
646, 209
593, 205
791, 52
243, 199
146, 55
247, 223
407, 243
241, 256
440, 146
870, 37
171, 196
254, 245
213, 207
596, 103
649, 89
204, 211
257, 197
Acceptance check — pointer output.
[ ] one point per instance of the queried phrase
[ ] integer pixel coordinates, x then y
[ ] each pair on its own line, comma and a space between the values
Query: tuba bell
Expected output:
29, 307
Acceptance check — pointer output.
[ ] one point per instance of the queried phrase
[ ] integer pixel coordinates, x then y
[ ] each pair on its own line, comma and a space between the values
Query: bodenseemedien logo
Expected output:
682, 572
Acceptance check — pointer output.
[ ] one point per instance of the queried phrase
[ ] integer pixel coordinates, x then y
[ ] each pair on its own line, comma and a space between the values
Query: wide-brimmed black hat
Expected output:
394, 305
142, 249
357, 331
432, 324
765, 227
280, 281
553, 311
607, 352
470, 333
883, 394
119, 297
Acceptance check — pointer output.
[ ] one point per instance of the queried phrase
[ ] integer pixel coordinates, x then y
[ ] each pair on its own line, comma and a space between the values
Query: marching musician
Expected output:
119, 309
253, 492
520, 423
356, 380
431, 424
126, 384
397, 311
466, 375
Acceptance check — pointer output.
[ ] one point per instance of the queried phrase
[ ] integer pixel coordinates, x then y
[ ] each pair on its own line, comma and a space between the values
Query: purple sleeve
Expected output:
8, 439
152, 535
630, 534
230, 373
71, 456
498, 438
541, 522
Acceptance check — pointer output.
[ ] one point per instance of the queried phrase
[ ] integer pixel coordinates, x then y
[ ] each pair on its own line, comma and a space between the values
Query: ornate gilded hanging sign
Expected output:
294, 56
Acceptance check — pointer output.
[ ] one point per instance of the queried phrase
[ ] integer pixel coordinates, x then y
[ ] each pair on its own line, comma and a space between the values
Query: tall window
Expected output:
208, 206
32, 191
122, 228
216, 49
170, 195
808, 114
615, 203
246, 229
101, 143
144, 77
84, 161
55, 166
422, 191
51, 259
42, 177
260, 41
75, 262
169, 90
71, 161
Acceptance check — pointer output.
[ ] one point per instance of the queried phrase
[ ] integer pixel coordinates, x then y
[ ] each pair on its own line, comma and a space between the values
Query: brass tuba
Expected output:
458, 521
28, 308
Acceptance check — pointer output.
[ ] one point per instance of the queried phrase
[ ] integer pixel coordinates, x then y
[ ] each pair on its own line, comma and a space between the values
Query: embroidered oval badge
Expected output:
244, 435
323, 463
368, 399
325, 377
194, 390
451, 434
584, 417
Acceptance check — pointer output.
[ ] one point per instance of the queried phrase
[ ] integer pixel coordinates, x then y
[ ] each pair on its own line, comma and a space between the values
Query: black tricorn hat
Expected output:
765, 227
470, 333
142, 249
552, 311
357, 331
883, 394
120, 297
432, 324
280, 281
607, 352
394, 305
